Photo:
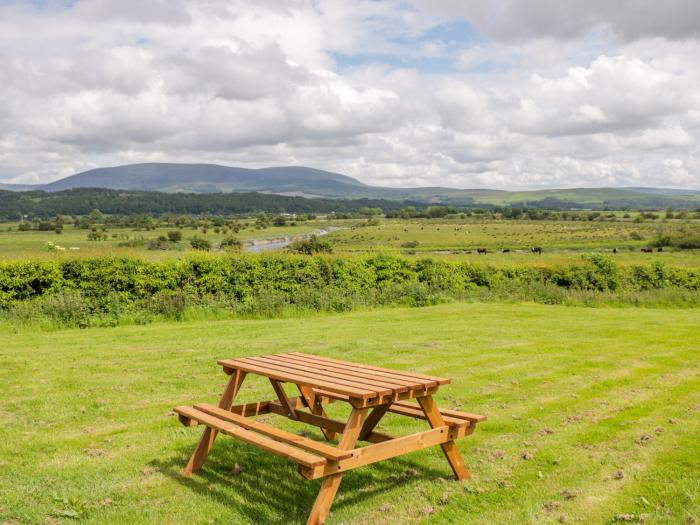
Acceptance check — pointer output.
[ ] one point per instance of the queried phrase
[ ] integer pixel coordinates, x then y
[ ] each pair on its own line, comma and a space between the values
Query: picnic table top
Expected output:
333, 375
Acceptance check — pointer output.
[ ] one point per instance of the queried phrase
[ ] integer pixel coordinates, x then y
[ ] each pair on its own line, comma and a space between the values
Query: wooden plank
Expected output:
200, 454
412, 383
324, 374
252, 409
248, 410
389, 373
310, 445
373, 419
325, 422
327, 396
386, 450
285, 368
454, 458
414, 375
297, 379
284, 400
329, 486
345, 373
321, 370
187, 421
281, 449
416, 412
315, 405
446, 412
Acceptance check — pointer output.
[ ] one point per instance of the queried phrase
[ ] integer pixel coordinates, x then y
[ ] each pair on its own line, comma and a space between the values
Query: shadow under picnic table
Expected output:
267, 489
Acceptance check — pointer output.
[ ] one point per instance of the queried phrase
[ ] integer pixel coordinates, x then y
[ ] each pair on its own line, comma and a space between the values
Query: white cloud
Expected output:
523, 19
545, 98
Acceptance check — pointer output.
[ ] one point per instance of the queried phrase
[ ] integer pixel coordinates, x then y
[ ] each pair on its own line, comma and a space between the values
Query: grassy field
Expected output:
561, 241
605, 403
458, 239
33, 244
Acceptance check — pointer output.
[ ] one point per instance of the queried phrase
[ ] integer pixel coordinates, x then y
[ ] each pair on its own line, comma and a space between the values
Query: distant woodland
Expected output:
126, 202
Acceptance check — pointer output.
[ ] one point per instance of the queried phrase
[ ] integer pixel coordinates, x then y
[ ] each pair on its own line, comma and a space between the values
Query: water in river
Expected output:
264, 245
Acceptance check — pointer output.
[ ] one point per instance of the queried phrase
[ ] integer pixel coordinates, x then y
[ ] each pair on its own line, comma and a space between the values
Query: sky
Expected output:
508, 94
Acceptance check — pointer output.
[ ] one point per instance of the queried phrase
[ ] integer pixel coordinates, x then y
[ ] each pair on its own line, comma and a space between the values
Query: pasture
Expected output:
562, 242
15, 244
594, 417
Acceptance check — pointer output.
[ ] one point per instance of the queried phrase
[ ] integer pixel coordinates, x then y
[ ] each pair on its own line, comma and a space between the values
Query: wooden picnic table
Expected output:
371, 391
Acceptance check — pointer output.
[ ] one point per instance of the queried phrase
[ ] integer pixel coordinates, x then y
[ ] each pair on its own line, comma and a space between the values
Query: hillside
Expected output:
209, 178
309, 182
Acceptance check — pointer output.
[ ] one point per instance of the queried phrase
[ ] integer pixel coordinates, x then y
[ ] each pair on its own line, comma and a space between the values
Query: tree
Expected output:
200, 244
310, 246
369, 212
262, 221
175, 236
231, 243
96, 215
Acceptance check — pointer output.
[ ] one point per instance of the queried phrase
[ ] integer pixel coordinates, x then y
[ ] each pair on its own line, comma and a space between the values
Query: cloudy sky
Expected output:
503, 94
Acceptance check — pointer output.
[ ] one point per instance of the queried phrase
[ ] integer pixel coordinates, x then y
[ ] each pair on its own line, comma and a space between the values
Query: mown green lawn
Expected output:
605, 403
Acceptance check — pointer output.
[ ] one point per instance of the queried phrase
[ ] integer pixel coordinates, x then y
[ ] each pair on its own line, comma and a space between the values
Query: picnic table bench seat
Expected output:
255, 437
371, 392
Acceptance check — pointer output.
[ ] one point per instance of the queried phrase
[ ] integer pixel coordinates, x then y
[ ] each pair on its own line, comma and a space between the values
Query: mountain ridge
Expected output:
315, 183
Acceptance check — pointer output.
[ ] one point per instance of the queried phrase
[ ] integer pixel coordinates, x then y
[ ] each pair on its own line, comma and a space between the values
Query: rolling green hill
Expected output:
309, 182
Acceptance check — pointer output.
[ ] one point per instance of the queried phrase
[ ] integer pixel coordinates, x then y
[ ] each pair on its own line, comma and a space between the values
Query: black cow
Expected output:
537, 250
481, 251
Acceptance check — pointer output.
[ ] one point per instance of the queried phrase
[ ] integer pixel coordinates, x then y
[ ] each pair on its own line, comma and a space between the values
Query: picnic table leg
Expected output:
373, 419
330, 484
316, 407
432, 413
284, 400
200, 454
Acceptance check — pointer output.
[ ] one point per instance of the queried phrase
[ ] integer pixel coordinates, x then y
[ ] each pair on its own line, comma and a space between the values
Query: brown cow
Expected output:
648, 250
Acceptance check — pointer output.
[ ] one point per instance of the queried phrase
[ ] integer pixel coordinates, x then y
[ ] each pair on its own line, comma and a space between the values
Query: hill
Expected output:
309, 182
212, 178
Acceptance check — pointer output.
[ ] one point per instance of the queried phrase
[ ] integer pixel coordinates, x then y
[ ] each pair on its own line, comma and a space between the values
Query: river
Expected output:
264, 245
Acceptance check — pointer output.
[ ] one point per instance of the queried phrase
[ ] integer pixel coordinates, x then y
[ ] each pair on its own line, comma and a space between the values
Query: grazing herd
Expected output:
535, 249
538, 250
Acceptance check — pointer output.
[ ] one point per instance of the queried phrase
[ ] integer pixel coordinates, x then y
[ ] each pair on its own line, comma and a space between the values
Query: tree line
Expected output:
82, 201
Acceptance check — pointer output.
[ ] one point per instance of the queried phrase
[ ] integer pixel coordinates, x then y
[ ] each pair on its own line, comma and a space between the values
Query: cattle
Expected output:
481, 251
660, 250
648, 250
505, 250
537, 250
614, 250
